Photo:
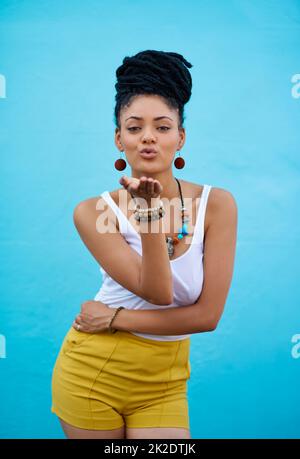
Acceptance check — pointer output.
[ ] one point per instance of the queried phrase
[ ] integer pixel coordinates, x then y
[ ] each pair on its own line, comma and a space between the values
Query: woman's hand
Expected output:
145, 187
94, 317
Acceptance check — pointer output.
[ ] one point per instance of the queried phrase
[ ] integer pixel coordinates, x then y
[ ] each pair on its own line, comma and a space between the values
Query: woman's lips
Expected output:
148, 155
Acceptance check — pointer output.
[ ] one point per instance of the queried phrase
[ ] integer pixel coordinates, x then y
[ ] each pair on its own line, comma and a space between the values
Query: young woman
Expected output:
166, 251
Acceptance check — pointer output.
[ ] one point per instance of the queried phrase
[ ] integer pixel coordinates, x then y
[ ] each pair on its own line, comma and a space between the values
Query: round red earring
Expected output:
120, 164
179, 163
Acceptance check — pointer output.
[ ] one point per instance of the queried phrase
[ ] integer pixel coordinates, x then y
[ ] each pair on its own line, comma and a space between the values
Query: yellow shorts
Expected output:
102, 381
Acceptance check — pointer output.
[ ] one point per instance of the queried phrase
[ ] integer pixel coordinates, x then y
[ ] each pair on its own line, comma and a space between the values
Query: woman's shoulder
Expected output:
94, 203
216, 195
93, 200
218, 198
216, 191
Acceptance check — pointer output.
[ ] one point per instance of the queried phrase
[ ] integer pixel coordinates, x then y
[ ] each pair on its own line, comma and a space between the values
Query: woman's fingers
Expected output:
158, 187
151, 186
122, 181
143, 181
75, 325
145, 187
79, 321
83, 326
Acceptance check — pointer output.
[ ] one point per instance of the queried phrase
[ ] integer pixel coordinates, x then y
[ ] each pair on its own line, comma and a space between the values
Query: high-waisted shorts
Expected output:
102, 381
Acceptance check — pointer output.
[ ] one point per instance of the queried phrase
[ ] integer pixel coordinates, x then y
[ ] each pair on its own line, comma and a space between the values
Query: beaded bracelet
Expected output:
110, 329
149, 214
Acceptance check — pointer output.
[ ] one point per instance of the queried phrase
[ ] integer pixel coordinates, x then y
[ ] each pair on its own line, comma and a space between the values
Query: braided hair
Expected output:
157, 73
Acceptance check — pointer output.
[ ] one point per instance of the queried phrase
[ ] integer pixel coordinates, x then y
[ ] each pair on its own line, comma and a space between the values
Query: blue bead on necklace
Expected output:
183, 231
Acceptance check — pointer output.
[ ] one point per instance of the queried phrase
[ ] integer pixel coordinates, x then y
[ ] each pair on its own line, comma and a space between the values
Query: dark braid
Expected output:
154, 72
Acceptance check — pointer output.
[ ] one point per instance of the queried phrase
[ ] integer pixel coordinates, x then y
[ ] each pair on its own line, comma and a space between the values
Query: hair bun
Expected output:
155, 72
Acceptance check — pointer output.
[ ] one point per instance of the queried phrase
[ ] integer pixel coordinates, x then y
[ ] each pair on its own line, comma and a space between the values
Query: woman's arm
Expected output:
171, 321
205, 313
95, 317
219, 254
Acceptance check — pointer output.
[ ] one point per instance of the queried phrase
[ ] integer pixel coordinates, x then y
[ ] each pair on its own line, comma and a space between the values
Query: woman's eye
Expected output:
165, 128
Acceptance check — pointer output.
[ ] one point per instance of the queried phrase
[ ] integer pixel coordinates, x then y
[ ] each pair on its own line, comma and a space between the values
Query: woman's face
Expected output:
163, 135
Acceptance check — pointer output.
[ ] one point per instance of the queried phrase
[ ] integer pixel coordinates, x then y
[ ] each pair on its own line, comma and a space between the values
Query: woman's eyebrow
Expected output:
155, 119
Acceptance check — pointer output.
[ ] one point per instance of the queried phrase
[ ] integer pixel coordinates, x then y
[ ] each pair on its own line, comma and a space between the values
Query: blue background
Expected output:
57, 147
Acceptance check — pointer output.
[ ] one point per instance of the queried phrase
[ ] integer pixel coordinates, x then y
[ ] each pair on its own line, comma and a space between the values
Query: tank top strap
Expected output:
199, 226
124, 223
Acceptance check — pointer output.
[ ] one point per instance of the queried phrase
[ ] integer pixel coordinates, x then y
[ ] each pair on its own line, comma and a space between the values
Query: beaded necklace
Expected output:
171, 241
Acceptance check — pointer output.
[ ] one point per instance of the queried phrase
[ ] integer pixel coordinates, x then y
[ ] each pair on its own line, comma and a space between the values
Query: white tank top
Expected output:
187, 269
